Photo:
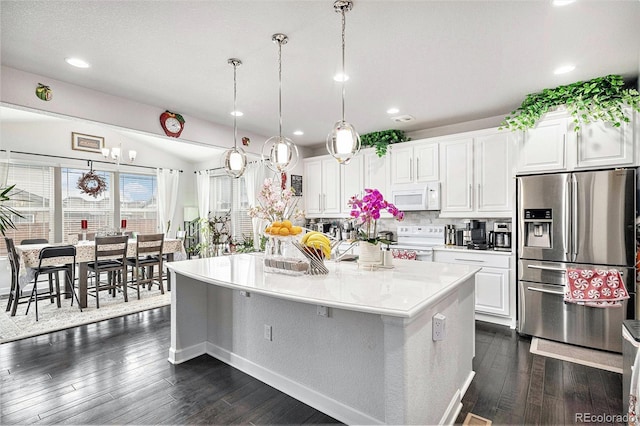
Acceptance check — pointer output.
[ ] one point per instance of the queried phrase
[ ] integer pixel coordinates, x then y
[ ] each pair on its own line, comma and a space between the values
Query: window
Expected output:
33, 198
77, 206
138, 202
229, 195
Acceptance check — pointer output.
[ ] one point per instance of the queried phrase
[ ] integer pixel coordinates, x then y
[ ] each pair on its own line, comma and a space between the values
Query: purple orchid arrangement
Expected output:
367, 210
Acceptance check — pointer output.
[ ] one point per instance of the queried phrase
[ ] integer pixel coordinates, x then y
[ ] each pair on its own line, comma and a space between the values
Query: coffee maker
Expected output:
500, 237
476, 235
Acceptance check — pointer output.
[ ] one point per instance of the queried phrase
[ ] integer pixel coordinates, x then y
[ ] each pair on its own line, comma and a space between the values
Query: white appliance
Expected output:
421, 239
425, 196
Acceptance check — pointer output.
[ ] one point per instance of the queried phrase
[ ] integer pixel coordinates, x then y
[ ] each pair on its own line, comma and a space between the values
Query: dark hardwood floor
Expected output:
116, 372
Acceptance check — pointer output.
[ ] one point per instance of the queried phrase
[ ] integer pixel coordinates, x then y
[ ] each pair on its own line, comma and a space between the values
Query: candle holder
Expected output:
123, 226
84, 224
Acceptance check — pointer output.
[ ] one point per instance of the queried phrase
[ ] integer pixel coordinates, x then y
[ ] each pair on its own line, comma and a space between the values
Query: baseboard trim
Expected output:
185, 354
320, 402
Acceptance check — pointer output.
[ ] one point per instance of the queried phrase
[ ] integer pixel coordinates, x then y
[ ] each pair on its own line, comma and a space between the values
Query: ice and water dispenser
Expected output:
537, 228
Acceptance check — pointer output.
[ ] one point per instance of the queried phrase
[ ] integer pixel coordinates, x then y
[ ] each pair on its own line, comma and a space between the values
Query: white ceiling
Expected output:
443, 62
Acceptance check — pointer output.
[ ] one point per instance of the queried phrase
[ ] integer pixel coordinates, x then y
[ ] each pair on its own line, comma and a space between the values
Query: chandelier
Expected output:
235, 160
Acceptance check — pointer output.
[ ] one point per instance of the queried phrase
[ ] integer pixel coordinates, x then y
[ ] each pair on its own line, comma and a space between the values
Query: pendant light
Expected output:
279, 152
235, 160
343, 143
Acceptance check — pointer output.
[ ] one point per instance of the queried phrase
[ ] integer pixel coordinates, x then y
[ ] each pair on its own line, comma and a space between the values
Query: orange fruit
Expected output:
275, 230
267, 230
276, 224
287, 224
284, 231
295, 230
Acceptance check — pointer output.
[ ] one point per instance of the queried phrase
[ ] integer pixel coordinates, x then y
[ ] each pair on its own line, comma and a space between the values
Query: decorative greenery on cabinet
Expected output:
382, 139
600, 99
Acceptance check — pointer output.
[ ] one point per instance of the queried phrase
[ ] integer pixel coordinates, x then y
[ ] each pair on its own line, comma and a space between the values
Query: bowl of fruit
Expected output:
316, 247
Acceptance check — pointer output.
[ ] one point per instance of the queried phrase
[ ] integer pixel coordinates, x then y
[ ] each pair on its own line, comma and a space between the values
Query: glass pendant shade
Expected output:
280, 154
235, 162
343, 143
234, 159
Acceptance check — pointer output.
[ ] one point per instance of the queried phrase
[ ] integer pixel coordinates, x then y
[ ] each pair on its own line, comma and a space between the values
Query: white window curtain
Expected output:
203, 184
167, 197
254, 177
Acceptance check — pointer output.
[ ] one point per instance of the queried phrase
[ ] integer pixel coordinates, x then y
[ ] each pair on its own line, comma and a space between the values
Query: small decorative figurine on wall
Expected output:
44, 92
246, 141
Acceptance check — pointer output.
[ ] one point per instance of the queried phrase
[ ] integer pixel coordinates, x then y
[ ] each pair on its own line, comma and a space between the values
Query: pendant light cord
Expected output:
280, 85
343, 74
235, 112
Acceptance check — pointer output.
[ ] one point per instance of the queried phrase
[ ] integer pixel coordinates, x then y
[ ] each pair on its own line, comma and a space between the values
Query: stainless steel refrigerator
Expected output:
582, 220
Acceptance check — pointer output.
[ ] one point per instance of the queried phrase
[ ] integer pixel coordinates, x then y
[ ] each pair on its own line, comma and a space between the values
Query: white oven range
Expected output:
421, 239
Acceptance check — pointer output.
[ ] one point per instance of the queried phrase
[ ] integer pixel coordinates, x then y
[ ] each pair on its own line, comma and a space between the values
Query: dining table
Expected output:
172, 248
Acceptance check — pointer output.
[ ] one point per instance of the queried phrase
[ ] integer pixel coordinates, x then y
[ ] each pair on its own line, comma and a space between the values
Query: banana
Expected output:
306, 236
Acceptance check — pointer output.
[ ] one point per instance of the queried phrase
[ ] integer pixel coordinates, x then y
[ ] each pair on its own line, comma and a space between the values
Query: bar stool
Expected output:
110, 257
148, 255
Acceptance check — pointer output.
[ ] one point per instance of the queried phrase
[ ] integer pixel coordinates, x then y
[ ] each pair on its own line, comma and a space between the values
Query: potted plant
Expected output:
382, 139
6, 212
600, 99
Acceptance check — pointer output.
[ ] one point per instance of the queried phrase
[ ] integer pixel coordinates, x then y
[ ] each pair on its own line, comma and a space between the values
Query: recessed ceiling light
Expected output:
237, 113
341, 77
564, 69
561, 2
77, 62
393, 111
403, 118
298, 133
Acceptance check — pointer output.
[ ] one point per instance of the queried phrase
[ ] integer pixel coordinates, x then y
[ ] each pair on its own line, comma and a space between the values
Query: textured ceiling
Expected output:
443, 62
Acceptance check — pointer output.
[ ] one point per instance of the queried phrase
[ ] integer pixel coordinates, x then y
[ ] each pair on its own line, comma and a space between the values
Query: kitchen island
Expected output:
356, 344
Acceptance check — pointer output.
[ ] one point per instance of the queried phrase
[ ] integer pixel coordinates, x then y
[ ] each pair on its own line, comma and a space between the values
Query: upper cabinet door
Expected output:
456, 163
402, 167
543, 148
331, 199
312, 181
376, 172
601, 144
426, 166
351, 181
494, 179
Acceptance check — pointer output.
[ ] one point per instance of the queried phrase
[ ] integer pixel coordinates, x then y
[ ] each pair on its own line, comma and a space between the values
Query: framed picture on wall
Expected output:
296, 184
88, 143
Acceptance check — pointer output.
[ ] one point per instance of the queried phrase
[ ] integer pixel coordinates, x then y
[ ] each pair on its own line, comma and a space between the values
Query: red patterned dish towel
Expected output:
404, 254
601, 288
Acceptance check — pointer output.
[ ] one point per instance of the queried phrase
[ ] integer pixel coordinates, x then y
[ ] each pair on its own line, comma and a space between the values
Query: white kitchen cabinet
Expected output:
477, 175
321, 186
495, 287
376, 171
554, 146
601, 144
351, 181
456, 163
543, 148
414, 162
493, 174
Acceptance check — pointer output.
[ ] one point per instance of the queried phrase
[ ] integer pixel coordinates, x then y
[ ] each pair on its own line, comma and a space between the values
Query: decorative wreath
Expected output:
92, 184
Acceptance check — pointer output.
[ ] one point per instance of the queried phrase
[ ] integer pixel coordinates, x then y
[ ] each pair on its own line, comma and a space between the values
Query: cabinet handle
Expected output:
418, 168
319, 202
324, 202
470, 196
469, 260
479, 198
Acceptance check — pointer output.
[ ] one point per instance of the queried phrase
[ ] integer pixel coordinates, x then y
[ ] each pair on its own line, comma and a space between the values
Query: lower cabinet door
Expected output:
492, 291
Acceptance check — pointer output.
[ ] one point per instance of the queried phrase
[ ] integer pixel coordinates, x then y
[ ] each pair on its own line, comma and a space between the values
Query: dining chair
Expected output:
34, 241
110, 257
148, 256
16, 293
58, 259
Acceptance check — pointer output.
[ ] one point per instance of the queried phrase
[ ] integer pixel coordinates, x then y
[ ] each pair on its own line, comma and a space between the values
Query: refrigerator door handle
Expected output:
566, 222
547, 268
574, 221
541, 290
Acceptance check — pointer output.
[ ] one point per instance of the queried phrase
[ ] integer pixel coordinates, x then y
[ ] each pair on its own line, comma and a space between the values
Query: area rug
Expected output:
52, 318
576, 354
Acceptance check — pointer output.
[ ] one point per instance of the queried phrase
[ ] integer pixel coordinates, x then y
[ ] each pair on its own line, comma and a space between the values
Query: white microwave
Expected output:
425, 196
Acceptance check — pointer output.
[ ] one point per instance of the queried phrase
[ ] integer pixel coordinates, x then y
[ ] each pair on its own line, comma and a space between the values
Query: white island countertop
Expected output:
402, 291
